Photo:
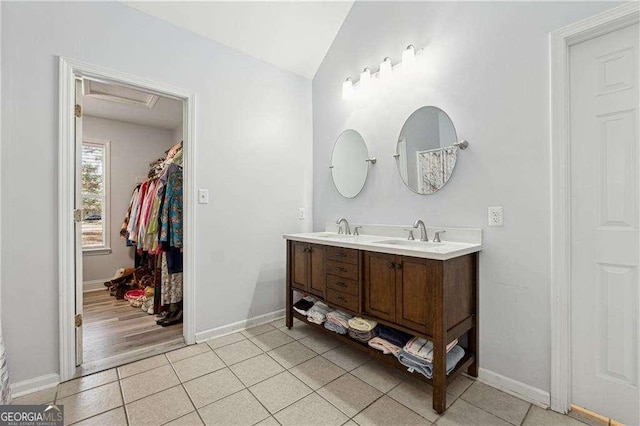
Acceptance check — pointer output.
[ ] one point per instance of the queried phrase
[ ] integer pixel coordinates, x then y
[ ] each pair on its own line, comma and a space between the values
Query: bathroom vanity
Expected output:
426, 289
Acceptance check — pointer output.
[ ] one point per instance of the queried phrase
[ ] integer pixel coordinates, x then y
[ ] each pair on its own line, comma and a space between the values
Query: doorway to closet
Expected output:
130, 184
125, 175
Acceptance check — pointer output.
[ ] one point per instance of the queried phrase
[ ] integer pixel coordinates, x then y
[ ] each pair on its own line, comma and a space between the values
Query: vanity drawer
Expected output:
341, 269
340, 254
344, 285
343, 300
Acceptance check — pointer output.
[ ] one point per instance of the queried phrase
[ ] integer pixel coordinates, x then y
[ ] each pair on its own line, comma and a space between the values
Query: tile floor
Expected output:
269, 375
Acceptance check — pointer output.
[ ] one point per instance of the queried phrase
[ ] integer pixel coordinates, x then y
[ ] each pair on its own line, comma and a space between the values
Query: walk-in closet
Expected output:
132, 224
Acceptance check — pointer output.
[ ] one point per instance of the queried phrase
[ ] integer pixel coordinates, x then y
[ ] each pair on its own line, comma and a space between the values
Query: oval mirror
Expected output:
350, 163
426, 154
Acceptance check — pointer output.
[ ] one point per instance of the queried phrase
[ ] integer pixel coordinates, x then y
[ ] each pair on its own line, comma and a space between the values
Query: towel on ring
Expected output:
362, 336
318, 313
423, 348
361, 324
393, 336
334, 326
384, 346
340, 317
414, 363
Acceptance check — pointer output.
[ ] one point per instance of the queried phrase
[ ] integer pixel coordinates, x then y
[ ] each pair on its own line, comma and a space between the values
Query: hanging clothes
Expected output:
171, 217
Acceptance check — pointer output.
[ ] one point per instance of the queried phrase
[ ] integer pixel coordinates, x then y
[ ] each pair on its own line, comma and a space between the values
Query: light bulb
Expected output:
386, 70
409, 57
347, 89
365, 80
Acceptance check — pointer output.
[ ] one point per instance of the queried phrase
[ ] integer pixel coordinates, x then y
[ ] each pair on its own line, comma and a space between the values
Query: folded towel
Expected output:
303, 305
384, 346
393, 336
423, 348
334, 326
318, 313
414, 363
361, 324
419, 347
363, 336
340, 317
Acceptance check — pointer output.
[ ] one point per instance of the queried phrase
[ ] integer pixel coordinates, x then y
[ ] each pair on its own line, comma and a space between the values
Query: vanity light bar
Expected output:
385, 72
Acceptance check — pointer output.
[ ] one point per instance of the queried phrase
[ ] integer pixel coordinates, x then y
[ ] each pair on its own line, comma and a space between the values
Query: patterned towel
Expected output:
384, 346
334, 326
318, 313
363, 336
414, 363
339, 317
361, 324
423, 348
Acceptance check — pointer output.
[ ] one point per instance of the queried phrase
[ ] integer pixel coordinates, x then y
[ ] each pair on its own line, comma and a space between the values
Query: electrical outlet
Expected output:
301, 215
203, 196
496, 216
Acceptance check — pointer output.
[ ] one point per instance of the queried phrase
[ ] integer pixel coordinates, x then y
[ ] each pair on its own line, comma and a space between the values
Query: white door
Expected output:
78, 217
605, 247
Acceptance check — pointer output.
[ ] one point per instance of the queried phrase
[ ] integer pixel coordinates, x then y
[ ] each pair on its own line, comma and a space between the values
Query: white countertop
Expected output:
392, 245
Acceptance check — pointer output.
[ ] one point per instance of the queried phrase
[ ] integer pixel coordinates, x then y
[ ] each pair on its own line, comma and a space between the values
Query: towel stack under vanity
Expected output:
362, 329
417, 355
338, 322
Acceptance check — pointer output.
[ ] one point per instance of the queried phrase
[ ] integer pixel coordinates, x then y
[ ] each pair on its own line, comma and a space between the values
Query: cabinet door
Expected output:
379, 285
300, 265
416, 283
318, 276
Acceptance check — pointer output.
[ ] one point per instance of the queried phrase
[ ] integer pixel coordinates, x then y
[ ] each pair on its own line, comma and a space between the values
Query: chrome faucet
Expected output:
347, 230
423, 230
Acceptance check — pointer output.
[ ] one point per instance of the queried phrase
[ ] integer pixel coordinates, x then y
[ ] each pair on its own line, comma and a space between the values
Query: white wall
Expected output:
485, 64
132, 148
254, 153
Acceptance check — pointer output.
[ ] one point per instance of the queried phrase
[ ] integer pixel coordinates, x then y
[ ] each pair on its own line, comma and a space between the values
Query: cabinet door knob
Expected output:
391, 265
397, 265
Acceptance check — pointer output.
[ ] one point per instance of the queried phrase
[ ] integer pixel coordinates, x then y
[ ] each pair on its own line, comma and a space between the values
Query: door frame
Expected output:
68, 69
560, 42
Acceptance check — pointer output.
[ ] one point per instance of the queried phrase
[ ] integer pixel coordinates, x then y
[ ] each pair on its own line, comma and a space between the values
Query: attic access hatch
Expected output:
120, 94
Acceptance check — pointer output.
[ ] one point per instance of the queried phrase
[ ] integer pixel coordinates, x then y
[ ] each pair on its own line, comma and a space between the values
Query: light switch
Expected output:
496, 216
301, 215
203, 196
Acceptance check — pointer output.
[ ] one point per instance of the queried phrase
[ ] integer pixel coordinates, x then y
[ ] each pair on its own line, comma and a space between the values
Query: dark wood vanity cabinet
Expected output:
434, 299
308, 268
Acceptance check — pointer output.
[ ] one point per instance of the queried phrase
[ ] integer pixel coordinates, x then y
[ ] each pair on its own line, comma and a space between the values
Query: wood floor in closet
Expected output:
113, 327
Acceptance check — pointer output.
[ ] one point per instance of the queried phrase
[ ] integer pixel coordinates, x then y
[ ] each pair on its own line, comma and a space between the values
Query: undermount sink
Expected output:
410, 243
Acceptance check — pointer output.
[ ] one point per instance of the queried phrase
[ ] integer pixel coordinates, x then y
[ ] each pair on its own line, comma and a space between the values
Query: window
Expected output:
95, 196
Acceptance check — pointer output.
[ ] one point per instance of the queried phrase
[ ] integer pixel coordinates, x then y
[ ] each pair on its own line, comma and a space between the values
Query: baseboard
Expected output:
36, 384
201, 336
93, 285
512, 387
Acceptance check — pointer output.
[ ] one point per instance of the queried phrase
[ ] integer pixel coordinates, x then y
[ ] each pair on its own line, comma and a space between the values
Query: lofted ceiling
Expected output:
292, 35
120, 103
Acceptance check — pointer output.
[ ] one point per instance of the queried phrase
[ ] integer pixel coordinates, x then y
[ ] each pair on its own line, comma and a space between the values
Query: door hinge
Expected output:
78, 320
78, 111
77, 215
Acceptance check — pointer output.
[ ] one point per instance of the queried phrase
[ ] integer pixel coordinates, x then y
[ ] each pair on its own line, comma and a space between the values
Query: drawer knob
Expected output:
341, 254
341, 269
342, 299
339, 284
